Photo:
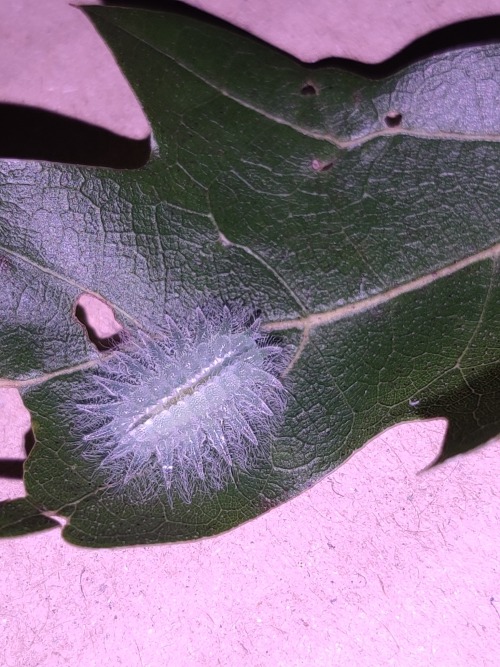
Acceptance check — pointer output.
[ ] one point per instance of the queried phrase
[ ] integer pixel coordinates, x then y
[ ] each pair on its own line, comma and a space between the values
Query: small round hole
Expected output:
320, 165
393, 119
309, 89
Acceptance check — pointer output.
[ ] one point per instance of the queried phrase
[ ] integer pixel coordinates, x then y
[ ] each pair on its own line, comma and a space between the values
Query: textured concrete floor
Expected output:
376, 565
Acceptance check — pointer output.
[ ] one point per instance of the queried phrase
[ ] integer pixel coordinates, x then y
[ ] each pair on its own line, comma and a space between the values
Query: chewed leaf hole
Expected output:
393, 119
309, 89
321, 165
99, 322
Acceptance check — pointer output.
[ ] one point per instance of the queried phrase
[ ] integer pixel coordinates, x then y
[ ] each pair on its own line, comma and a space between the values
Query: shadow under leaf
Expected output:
470, 400
37, 134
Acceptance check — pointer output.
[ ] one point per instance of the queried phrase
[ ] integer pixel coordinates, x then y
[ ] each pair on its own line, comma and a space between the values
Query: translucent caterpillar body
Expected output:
177, 413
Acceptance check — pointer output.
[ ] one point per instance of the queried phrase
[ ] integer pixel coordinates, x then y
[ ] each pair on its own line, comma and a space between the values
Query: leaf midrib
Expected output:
305, 324
343, 144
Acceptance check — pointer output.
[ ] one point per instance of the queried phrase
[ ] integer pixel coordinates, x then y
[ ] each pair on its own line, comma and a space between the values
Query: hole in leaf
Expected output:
99, 321
320, 165
393, 119
309, 89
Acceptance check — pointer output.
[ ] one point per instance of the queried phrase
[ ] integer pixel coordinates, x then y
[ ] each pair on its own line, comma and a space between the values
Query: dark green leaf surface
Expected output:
360, 217
19, 517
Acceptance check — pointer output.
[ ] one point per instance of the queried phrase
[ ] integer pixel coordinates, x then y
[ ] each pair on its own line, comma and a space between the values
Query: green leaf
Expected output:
359, 216
19, 517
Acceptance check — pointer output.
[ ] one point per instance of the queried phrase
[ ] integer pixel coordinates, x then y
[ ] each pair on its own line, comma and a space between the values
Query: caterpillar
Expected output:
177, 411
